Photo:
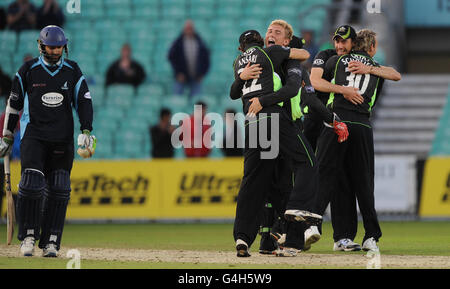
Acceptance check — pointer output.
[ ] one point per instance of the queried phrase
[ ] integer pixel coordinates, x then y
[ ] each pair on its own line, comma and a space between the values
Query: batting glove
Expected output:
6, 145
87, 144
340, 128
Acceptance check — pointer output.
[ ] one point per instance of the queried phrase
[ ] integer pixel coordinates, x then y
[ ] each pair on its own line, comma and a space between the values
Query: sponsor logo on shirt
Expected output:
39, 84
295, 71
52, 99
87, 95
318, 62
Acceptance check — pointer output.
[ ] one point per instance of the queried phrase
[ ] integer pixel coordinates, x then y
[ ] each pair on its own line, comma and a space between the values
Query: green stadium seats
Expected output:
174, 3
8, 41
123, 90
152, 90
103, 135
119, 100
202, 12
98, 95
149, 115
146, 12
28, 38
6, 65
103, 122
177, 103
380, 56
104, 150
145, 3
135, 124
82, 27
92, 10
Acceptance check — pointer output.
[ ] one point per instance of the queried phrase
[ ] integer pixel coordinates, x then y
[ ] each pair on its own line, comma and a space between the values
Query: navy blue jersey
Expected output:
47, 95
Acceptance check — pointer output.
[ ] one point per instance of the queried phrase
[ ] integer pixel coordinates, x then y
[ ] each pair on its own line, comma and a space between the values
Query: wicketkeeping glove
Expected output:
340, 128
6, 145
86, 144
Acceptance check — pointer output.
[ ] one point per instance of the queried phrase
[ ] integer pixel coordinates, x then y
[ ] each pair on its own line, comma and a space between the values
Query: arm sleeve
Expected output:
236, 88
82, 101
15, 101
310, 99
277, 54
238, 84
320, 60
289, 90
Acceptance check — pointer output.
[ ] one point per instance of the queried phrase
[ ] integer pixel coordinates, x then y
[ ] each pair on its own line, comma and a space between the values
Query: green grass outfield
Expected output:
399, 238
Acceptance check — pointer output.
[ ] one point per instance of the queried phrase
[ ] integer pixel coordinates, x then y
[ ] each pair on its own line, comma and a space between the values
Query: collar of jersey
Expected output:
42, 63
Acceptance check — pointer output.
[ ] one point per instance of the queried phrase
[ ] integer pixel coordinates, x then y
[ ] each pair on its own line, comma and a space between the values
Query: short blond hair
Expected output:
365, 39
287, 27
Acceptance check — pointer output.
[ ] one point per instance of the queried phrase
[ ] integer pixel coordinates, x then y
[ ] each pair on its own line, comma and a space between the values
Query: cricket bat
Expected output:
11, 214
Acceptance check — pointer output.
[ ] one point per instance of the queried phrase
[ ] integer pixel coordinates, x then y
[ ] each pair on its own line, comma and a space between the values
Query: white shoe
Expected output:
312, 235
50, 251
370, 245
242, 248
287, 252
300, 216
27, 246
346, 245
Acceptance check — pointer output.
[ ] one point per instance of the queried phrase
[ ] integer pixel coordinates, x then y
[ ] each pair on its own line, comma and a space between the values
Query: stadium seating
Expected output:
97, 34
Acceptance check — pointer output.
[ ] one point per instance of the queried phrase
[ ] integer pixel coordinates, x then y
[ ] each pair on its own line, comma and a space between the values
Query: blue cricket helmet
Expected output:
52, 35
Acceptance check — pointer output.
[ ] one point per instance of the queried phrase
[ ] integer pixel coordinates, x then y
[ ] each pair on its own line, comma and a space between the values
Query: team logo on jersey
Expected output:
318, 62
65, 87
87, 95
52, 99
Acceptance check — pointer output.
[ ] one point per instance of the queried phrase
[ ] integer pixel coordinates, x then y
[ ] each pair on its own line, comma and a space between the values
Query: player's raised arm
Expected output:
385, 72
299, 54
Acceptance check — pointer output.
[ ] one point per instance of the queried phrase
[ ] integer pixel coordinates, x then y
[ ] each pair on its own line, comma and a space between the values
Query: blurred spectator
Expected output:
232, 131
21, 15
310, 46
189, 144
2, 18
5, 85
161, 136
189, 58
50, 14
125, 70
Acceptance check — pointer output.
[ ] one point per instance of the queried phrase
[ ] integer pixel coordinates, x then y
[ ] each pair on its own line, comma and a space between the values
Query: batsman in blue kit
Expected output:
46, 89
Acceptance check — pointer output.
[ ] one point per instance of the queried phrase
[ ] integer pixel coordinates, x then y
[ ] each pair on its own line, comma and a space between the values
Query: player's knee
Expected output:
32, 184
59, 184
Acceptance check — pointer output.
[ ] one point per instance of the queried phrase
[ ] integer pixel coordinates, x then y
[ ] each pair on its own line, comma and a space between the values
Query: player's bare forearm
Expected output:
326, 86
386, 72
299, 54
